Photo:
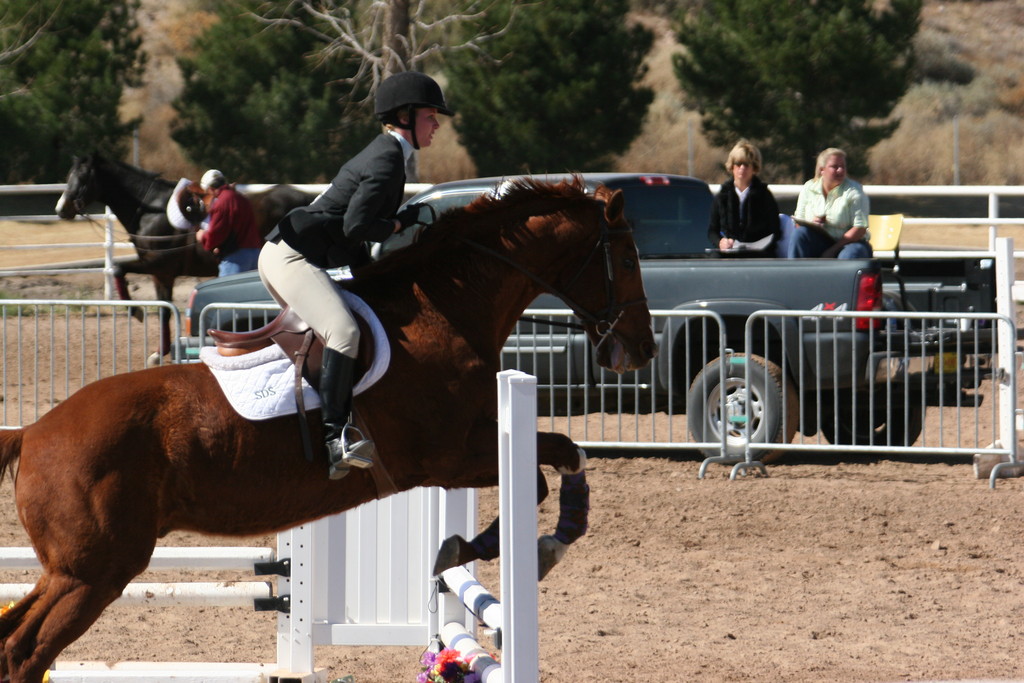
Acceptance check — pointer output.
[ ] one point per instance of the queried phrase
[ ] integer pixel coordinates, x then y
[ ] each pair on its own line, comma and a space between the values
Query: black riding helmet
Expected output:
404, 92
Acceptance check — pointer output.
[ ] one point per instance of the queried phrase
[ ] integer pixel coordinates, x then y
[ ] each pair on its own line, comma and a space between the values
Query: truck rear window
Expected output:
669, 220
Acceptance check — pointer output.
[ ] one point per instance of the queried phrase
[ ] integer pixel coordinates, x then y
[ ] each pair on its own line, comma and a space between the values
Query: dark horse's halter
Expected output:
78, 201
601, 320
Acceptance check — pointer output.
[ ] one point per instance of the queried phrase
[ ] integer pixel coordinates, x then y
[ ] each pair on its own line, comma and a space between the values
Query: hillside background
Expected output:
976, 37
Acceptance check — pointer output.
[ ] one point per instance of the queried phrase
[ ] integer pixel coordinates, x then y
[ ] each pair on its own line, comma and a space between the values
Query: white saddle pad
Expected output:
261, 385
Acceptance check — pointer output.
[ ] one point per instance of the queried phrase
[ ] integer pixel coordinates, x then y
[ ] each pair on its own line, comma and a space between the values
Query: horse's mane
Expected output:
509, 203
522, 190
100, 160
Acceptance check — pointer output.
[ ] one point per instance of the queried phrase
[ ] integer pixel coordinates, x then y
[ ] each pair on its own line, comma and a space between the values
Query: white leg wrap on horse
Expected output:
550, 552
582, 466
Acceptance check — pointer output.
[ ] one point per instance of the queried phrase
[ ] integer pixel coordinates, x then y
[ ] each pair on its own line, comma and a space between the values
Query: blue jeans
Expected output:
809, 243
238, 261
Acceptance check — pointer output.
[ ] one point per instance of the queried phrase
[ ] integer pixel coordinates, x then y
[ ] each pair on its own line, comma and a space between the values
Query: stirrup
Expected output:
345, 452
337, 471
358, 451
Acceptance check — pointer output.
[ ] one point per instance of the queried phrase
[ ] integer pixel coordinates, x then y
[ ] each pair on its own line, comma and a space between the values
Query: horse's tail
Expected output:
10, 451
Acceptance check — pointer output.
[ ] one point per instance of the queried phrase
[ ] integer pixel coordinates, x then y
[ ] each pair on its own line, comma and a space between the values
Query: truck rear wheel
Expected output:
879, 427
773, 406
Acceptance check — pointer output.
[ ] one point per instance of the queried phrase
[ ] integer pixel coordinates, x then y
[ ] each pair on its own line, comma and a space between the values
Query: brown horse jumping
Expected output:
127, 459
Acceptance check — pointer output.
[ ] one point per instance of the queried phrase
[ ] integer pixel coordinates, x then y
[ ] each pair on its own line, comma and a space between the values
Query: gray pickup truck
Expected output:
670, 215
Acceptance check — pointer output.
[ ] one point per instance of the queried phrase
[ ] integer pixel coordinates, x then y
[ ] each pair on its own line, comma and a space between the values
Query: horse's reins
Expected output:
600, 319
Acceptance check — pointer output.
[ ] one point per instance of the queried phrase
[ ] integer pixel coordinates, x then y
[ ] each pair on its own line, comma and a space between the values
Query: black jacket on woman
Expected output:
760, 217
357, 207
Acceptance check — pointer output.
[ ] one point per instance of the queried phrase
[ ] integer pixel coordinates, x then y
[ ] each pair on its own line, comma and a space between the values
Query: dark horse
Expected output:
129, 458
139, 200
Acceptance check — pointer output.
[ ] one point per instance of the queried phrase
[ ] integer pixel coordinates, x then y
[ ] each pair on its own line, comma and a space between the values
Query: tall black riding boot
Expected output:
346, 446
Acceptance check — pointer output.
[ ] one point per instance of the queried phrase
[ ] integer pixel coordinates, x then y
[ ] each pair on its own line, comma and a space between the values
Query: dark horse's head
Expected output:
130, 191
82, 188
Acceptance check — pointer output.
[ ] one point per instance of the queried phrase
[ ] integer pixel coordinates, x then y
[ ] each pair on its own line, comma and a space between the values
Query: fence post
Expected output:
517, 434
295, 629
108, 255
1005, 380
993, 213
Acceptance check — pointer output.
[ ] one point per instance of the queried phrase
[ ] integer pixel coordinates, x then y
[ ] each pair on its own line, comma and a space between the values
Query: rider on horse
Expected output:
359, 206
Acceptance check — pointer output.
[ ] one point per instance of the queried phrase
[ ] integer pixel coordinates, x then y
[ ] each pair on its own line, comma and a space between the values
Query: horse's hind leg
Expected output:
456, 551
558, 451
92, 535
58, 610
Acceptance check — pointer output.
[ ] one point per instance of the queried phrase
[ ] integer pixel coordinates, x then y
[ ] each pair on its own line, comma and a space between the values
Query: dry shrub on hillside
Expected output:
921, 150
937, 57
664, 144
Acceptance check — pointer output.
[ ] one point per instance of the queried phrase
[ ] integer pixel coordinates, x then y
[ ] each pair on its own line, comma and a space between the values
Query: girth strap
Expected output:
299, 361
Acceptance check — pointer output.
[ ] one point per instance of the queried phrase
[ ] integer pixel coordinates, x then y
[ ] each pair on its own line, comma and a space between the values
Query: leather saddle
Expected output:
298, 341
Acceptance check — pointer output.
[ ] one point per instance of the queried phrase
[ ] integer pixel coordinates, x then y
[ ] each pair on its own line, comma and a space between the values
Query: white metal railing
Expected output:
109, 243
992, 194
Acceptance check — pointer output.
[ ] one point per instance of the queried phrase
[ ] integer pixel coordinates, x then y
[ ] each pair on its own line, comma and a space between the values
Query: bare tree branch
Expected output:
16, 41
387, 36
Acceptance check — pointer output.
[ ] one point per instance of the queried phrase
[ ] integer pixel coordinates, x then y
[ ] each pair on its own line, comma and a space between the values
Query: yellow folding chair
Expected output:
885, 232
884, 235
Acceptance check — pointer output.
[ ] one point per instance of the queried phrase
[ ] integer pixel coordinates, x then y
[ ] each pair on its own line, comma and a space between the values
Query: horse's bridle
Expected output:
78, 201
601, 320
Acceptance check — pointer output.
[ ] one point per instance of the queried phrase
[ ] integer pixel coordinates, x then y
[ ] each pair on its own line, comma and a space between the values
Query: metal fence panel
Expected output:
598, 408
52, 348
910, 383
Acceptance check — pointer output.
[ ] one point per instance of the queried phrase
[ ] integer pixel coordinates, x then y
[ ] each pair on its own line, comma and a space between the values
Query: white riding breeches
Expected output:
311, 293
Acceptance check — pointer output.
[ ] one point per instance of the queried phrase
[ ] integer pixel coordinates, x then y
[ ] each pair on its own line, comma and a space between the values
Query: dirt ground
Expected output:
845, 568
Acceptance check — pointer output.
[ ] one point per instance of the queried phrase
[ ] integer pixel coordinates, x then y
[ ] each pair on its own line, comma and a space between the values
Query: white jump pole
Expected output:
465, 601
517, 482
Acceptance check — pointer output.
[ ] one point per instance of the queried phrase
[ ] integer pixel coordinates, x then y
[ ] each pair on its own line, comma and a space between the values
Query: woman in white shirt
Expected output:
831, 213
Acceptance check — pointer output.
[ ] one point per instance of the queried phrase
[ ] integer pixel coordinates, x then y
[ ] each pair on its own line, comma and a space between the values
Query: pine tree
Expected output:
558, 93
257, 105
797, 76
67, 86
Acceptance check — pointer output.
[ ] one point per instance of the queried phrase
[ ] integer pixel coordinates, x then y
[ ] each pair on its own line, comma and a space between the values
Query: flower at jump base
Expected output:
446, 666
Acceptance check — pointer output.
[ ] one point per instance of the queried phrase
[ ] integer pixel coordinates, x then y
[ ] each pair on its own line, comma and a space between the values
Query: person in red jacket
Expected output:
231, 231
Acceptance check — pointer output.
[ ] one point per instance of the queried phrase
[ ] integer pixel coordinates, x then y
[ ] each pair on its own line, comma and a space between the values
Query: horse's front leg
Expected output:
560, 452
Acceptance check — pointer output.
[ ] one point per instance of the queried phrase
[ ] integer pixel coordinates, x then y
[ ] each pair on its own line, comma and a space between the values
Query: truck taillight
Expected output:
869, 298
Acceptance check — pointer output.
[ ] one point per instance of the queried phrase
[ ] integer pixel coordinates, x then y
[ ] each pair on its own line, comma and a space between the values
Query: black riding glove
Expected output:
410, 215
